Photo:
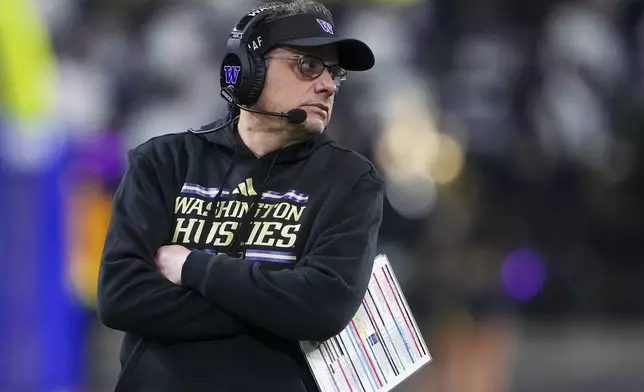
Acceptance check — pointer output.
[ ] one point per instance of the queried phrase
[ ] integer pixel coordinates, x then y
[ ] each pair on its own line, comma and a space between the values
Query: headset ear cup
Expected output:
233, 72
257, 78
248, 82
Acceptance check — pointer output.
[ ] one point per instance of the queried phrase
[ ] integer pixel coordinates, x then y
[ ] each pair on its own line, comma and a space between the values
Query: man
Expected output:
231, 244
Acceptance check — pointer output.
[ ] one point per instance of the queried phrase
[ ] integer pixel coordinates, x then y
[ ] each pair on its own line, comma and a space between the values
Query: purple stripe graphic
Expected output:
290, 195
293, 191
272, 252
203, 188
200, 193
249, 256
257, 258
285, 197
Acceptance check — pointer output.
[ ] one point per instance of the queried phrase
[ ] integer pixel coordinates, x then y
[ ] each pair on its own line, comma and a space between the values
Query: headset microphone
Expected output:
294, 116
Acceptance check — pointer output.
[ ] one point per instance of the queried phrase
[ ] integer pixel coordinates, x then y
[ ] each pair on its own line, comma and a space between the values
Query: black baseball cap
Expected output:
311, 30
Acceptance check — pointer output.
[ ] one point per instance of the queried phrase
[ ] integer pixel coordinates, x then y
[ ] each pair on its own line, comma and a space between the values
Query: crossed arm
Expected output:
168, 292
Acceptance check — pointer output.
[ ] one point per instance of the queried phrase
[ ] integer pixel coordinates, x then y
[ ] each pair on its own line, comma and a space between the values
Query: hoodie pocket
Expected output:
127, 370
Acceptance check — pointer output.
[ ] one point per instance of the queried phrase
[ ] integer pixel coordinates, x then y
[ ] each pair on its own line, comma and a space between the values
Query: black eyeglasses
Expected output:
312, 67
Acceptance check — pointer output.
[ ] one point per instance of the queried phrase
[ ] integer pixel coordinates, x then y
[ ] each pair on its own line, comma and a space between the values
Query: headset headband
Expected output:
241, 68
247, 23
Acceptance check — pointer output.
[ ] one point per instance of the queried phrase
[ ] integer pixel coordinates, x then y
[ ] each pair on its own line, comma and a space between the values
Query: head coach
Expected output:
231, 243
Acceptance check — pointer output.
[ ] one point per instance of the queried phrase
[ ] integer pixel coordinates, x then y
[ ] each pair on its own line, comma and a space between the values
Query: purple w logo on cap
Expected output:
326, 26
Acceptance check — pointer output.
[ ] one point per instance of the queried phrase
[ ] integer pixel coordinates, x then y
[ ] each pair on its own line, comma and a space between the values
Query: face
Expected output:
287, 88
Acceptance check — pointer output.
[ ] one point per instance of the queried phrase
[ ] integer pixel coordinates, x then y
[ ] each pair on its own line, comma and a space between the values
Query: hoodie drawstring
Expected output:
229, 170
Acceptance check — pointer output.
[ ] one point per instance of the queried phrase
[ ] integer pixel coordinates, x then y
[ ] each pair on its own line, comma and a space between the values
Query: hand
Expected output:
169, 260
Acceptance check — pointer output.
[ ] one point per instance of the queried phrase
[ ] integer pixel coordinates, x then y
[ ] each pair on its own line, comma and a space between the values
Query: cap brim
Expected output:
353, 54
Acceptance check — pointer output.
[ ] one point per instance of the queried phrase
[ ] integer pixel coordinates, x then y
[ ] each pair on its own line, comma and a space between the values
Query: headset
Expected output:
242, 68
243, 73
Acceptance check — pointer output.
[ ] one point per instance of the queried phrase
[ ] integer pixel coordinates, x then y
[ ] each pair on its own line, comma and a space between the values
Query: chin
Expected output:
315, 126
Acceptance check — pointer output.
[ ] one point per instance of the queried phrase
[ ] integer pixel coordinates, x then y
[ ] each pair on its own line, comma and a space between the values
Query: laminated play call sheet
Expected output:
379, 348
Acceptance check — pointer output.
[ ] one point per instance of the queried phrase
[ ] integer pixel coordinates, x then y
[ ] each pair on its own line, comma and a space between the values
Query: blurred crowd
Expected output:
510, 135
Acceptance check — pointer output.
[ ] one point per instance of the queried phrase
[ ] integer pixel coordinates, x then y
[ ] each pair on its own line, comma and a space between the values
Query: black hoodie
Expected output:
283, 254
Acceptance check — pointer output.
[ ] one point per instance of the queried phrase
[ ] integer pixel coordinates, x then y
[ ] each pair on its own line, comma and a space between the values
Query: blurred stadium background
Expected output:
510, 134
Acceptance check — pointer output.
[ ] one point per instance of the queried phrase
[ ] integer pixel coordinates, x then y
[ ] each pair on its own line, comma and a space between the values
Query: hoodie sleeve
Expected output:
132, 295
317, 299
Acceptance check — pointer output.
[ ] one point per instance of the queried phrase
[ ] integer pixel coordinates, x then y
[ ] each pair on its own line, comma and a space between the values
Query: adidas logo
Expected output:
245, 188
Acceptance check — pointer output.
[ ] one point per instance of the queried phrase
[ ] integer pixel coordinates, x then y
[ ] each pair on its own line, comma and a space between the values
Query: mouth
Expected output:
323, 107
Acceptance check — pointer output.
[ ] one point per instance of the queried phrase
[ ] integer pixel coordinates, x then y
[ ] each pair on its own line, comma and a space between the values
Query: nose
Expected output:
325, 84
